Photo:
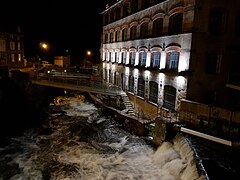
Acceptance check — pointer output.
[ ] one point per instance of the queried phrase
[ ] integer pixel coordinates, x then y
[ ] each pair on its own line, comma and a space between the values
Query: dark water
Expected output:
220, 161
76, 141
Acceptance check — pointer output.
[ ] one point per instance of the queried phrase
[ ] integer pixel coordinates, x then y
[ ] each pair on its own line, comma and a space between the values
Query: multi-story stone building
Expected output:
11, 47
175, 55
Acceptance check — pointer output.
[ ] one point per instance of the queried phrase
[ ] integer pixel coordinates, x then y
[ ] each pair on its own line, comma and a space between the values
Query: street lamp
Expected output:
43, 47
89, 53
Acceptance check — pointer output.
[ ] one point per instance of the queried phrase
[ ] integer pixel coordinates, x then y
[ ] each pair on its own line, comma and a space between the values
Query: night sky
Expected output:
70, 25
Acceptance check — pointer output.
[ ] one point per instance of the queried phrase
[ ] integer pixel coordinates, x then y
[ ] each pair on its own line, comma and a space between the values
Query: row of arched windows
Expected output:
127, 8
169, 92
142, 59
146, 29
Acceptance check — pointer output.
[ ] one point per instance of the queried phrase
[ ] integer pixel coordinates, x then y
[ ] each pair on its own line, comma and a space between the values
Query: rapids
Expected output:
76, 141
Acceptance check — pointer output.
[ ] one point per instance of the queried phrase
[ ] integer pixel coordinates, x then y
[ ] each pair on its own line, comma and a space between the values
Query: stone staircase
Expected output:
129, 107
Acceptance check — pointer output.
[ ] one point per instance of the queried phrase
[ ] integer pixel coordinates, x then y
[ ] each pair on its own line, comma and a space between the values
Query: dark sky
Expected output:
65, 25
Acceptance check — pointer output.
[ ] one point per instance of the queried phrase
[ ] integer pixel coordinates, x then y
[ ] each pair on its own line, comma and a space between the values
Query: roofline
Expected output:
115, 4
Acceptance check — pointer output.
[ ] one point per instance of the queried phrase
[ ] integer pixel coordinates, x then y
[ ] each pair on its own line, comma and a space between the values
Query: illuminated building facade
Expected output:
11, 47
163, 52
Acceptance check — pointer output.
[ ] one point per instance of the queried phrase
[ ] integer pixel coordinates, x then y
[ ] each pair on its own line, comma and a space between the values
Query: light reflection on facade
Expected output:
146, 67
175, 54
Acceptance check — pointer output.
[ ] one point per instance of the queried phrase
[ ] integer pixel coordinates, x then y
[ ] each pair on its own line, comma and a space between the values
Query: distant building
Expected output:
11, 47
164, 52
62, 61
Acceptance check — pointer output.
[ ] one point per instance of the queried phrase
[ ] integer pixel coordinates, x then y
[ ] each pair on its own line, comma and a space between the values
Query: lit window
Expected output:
172, 60
19, 57
132, 58
12, 45
19, 46
13, 57
124, 57
143, 56
156, 56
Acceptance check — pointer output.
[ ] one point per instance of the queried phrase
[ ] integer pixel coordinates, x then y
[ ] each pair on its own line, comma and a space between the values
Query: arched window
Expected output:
123, 81
117, 57
133, 32
141, 87
105, 75
143, 57
117, 13
110, 56
134, 6
125, 10
111, 37
157, 27
112, 16
131, 84
115, 78
153, 93
110, 75
107, 57
106, 38
124, 34
105, 19
144, 30
132, 58
175, 24
124, 57
169, 97
172, 60
117, 36
155, 60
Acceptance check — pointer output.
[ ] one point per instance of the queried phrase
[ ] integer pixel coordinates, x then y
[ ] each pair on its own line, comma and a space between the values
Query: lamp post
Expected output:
43, 47
87, 58
89, 53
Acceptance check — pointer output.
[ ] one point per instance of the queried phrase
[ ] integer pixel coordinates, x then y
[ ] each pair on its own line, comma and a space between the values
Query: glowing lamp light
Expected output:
89, 53
44, 45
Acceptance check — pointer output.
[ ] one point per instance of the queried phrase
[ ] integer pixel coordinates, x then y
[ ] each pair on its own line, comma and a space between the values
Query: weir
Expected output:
206, 136
166, 130
235, 144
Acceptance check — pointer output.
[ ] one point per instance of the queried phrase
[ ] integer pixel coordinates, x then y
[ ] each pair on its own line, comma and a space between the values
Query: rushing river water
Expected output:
76, 141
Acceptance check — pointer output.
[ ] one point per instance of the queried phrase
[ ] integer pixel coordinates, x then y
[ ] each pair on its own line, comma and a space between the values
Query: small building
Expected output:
62, 61
11, 46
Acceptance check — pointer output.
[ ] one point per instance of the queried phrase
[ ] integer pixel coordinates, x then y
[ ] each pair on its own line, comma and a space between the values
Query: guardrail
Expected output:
80, 82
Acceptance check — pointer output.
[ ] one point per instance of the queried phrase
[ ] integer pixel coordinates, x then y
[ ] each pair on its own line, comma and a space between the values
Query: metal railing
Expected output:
80, 82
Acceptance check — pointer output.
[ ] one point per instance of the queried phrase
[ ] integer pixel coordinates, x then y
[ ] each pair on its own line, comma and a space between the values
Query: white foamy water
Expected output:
77, 149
